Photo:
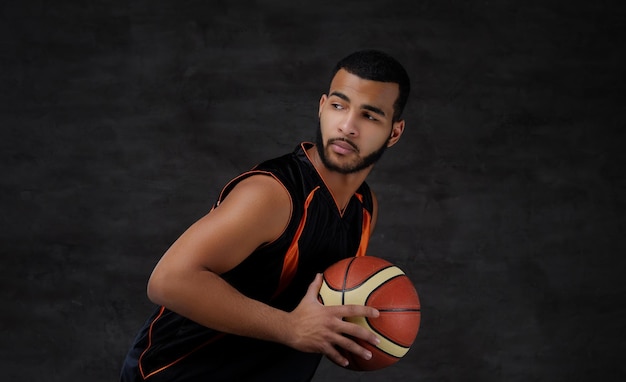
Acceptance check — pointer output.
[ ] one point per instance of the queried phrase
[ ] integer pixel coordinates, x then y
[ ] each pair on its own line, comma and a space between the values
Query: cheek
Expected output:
380, 136
326, 122
378, 140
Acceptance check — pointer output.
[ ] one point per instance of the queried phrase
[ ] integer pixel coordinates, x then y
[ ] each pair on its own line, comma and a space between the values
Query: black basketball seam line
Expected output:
345, 276
373, 329
344, 290
345, 280
369, 324
400, 310
393, 309
383, 283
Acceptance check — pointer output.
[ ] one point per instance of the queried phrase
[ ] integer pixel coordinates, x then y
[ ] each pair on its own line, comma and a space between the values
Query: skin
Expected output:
355, 117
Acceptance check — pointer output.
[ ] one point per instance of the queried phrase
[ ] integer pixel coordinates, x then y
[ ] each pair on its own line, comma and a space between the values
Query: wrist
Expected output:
284, 329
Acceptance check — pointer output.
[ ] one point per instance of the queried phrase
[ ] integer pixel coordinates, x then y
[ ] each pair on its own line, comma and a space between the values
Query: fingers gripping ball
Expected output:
372, 281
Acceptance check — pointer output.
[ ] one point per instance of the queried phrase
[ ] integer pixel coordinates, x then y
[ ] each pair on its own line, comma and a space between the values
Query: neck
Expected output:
342, 186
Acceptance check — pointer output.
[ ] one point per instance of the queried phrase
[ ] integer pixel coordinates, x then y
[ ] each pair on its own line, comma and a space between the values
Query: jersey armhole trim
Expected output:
233, 183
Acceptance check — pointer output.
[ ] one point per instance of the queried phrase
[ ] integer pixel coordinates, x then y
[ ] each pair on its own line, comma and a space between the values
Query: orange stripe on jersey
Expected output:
359, 196
365, 233
290, 263
143, 373
288, 271
149, 344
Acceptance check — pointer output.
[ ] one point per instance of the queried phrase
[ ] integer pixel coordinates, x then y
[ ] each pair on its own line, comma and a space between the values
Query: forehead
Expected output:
362, 91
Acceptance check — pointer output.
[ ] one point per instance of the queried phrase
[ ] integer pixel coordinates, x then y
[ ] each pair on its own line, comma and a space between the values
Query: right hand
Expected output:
316, 328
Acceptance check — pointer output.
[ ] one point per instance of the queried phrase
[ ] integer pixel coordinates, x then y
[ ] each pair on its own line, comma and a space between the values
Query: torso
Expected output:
317, 235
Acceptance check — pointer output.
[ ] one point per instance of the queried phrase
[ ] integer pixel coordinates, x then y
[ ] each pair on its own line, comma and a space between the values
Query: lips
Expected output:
342, 147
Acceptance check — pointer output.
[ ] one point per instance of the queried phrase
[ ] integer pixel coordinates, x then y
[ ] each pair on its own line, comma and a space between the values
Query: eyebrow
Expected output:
371, 108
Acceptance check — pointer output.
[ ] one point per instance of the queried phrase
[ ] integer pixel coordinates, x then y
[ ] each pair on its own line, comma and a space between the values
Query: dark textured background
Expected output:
504, 200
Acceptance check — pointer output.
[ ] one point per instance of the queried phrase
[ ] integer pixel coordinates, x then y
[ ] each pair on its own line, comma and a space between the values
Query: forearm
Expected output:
207, 299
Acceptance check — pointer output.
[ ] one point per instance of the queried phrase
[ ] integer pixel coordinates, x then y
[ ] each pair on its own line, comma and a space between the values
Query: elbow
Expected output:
157, 289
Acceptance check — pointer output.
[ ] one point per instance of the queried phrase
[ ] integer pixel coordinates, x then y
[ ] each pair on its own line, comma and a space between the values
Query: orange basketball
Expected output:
372, 281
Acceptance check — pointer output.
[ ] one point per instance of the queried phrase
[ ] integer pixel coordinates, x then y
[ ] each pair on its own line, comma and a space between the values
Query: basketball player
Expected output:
236, 294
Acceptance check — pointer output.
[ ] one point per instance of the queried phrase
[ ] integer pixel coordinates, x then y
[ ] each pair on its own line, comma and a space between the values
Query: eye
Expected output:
337, 106
370, 117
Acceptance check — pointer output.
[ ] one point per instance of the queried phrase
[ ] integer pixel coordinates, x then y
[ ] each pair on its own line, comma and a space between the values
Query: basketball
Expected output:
375, 282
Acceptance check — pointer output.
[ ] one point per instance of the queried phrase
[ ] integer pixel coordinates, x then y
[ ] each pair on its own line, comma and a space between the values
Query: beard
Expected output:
349, 168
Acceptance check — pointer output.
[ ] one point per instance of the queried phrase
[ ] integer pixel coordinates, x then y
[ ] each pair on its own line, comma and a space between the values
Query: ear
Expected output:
322, 102
396, 131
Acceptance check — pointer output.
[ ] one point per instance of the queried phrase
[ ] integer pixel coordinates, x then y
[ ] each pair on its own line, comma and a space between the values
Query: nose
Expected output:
348, 125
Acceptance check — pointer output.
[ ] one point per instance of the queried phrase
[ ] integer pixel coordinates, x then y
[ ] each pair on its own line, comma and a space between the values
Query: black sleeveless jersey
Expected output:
170, 347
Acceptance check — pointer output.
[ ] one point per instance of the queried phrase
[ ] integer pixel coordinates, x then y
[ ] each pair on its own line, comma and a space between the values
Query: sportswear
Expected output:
170, 347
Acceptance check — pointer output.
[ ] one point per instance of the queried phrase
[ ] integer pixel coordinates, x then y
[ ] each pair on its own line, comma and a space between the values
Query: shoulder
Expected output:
262, 200
260, 189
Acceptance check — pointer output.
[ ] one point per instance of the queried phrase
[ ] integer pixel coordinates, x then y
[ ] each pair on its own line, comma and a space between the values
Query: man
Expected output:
237, 292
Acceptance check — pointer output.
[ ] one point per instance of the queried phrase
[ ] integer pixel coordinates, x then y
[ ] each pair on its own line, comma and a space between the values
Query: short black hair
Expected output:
378, 66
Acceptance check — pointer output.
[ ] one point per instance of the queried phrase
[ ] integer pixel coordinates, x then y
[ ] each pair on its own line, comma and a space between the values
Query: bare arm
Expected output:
186, 279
